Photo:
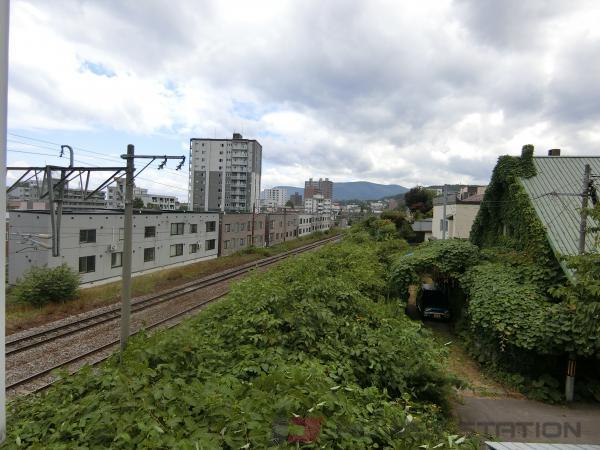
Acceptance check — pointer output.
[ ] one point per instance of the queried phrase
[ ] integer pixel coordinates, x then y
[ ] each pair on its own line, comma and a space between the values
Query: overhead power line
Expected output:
81, 149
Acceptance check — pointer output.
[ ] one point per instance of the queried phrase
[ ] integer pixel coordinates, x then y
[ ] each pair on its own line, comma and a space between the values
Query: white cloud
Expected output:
417, 92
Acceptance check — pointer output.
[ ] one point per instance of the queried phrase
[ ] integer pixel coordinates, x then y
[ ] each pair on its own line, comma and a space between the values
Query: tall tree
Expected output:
419, 198
138, 203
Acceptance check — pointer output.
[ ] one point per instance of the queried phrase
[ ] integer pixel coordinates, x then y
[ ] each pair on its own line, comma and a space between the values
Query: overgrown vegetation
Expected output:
312, 338
22, 314
443, 260
522, 318
42, 285
507, 218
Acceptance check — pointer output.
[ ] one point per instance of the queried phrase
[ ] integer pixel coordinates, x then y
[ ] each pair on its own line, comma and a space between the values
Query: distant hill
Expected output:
357, 190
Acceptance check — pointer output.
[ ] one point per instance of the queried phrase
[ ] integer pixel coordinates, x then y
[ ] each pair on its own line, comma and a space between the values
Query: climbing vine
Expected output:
507, 217
443, 260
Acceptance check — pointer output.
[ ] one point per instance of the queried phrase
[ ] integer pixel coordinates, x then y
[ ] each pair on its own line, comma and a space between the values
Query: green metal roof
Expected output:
559, 213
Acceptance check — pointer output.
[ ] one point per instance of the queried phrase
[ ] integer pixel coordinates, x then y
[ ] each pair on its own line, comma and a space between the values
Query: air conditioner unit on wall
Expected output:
112, 247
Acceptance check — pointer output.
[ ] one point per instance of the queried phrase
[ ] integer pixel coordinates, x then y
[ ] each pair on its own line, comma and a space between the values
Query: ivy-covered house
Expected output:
528, 306
533, 204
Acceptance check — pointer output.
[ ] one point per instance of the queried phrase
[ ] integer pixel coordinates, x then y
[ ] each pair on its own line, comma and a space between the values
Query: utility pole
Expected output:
444, 223
130, 157
253, 219
284, 223
585, 190
61, 195
584, 204
4, 23
127, 248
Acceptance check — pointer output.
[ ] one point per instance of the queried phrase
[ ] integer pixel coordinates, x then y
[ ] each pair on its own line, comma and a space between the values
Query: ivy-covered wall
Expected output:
507, 218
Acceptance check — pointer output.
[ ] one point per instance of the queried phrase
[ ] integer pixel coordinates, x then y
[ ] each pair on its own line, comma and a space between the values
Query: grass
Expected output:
20, 316
464, 368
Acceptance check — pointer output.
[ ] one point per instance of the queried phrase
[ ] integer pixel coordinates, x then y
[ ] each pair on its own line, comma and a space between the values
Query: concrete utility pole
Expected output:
584, 204
127, 248
585, 191
253, 219
284, 223
127, 255
444, 223
4, 23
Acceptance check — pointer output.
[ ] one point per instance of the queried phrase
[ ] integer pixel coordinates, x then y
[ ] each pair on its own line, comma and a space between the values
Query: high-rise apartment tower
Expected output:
322, 186
225, 174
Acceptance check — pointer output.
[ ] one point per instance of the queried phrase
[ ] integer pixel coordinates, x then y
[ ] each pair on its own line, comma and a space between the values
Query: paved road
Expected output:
507, 418
510, 419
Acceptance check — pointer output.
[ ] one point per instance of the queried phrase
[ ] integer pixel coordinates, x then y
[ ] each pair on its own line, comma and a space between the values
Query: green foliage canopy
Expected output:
444, 260
419, 198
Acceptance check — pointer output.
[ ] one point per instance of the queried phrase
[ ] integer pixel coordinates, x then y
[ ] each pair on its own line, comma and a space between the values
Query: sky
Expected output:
404, 92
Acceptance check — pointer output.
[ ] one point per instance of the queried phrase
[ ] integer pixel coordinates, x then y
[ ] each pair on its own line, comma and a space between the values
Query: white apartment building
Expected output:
115, 198
225, 174
317, 204
91, 242
309, 223
27, 195
274, 198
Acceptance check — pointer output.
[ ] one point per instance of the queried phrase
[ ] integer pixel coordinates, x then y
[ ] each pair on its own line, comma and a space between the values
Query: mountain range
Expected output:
357, 190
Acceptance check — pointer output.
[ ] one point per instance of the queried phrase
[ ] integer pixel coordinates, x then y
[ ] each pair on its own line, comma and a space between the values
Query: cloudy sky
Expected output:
391, 92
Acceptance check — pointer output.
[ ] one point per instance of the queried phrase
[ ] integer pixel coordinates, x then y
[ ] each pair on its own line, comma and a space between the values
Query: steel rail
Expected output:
44, 336
169, 295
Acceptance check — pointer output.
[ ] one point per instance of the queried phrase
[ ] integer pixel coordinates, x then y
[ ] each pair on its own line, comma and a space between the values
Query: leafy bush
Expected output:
392, 225
309, 338
444, 260
41, 285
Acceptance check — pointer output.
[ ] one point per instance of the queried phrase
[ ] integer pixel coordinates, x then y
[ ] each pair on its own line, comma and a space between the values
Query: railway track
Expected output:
38, 339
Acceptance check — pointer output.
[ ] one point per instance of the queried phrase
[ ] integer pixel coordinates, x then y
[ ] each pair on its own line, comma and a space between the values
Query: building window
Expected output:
87, 263
176, 228
116, 259
193, 227
176, 250
226, 244
227, 227
211, 226
149, 232
87, 236
194, 248
242, 243
149, 254
209, 244
242, 227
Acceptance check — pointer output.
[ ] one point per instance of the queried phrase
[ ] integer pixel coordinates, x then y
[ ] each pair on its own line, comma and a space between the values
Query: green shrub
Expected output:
41, 285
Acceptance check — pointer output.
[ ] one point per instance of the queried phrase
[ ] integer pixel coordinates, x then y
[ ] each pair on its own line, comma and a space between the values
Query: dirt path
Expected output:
499, 413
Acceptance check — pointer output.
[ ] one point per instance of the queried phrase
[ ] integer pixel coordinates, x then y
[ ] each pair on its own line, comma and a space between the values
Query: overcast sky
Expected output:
386, 91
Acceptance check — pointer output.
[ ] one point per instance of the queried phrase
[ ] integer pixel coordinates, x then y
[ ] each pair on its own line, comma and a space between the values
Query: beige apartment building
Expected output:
237, 231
